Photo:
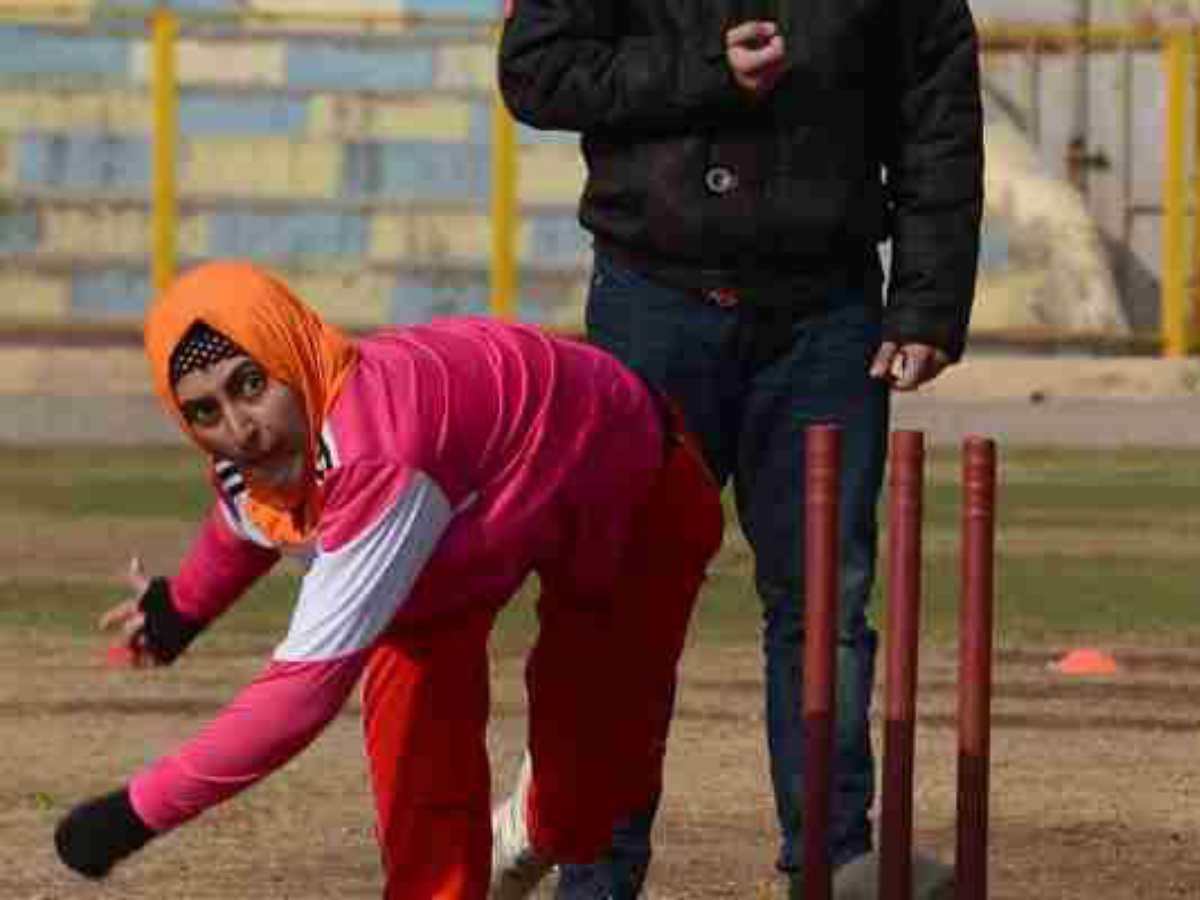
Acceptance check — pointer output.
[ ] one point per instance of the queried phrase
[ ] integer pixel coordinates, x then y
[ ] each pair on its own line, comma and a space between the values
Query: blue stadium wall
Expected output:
358, 166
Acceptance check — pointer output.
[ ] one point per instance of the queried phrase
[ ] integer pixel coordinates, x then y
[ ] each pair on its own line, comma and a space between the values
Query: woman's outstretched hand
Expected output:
128, 619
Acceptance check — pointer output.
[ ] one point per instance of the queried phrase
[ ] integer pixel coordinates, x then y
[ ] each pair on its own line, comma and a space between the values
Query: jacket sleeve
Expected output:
221, 564
383, 525
565, 65
935, 175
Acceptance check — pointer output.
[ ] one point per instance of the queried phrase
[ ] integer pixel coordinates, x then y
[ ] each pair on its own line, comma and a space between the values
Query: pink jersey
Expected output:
457, 456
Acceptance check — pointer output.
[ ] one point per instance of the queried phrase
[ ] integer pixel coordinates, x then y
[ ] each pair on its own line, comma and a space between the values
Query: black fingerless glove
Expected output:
167, 633
98, 834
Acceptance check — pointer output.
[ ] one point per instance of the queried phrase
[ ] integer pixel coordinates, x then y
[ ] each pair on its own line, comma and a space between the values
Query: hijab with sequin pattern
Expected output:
256, 312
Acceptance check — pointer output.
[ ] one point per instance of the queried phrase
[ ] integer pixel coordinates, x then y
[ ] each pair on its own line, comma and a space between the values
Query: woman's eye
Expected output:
252, 384
201, 415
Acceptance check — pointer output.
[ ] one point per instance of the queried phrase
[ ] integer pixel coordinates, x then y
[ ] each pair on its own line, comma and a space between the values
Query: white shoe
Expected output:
516, 867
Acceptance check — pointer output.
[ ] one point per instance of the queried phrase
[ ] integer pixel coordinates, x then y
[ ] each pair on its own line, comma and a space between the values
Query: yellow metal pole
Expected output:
1174, 312
504, 212
165, 219
1192, 159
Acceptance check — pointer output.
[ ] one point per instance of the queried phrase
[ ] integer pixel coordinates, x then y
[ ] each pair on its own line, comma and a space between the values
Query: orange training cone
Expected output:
1086, 661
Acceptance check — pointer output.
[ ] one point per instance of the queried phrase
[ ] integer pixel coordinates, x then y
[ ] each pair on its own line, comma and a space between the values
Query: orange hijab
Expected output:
284, 336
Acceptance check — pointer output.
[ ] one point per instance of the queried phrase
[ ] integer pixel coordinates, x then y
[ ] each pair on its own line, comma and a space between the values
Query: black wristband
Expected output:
167, 633
96, 835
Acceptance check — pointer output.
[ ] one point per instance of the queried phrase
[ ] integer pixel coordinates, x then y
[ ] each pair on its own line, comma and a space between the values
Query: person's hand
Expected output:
96, 835
755, 53
908, 366
128, 619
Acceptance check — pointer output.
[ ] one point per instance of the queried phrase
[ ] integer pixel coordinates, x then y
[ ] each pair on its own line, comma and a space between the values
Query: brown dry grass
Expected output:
1095, 787
1095, 783
42, 545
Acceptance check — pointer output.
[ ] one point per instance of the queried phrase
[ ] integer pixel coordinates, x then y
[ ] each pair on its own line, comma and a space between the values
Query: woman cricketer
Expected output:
422, 473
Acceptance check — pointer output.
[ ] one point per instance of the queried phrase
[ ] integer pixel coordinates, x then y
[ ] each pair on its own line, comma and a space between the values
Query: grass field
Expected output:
1093, 548
1089, 543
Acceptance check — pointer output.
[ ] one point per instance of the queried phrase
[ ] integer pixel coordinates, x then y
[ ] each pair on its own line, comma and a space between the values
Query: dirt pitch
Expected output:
1096, 785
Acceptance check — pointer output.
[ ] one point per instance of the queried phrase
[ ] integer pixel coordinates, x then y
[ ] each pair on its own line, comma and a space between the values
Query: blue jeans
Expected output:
749, 381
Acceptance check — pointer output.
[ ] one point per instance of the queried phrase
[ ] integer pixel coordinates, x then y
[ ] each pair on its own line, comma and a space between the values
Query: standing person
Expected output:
423, 473
745, 159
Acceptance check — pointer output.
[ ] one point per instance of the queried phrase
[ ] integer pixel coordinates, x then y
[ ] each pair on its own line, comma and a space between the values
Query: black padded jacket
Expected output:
875, 132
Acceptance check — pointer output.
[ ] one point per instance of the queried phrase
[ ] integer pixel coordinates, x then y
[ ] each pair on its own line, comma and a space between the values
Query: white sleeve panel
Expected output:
351, 594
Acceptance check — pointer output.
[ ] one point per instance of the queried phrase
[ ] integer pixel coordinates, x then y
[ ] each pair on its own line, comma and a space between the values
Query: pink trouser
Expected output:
600, 680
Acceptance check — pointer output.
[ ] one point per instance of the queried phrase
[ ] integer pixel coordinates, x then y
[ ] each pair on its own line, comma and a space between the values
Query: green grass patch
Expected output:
152, 483
1053, 597
1062, 592
74, 606
53, 604
1038, 600
1043, 595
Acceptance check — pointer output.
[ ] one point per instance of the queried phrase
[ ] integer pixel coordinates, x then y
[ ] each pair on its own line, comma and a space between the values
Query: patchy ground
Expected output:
1095, 784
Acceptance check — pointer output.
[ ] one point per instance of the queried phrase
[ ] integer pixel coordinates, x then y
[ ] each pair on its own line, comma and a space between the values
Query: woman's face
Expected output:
238, 412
